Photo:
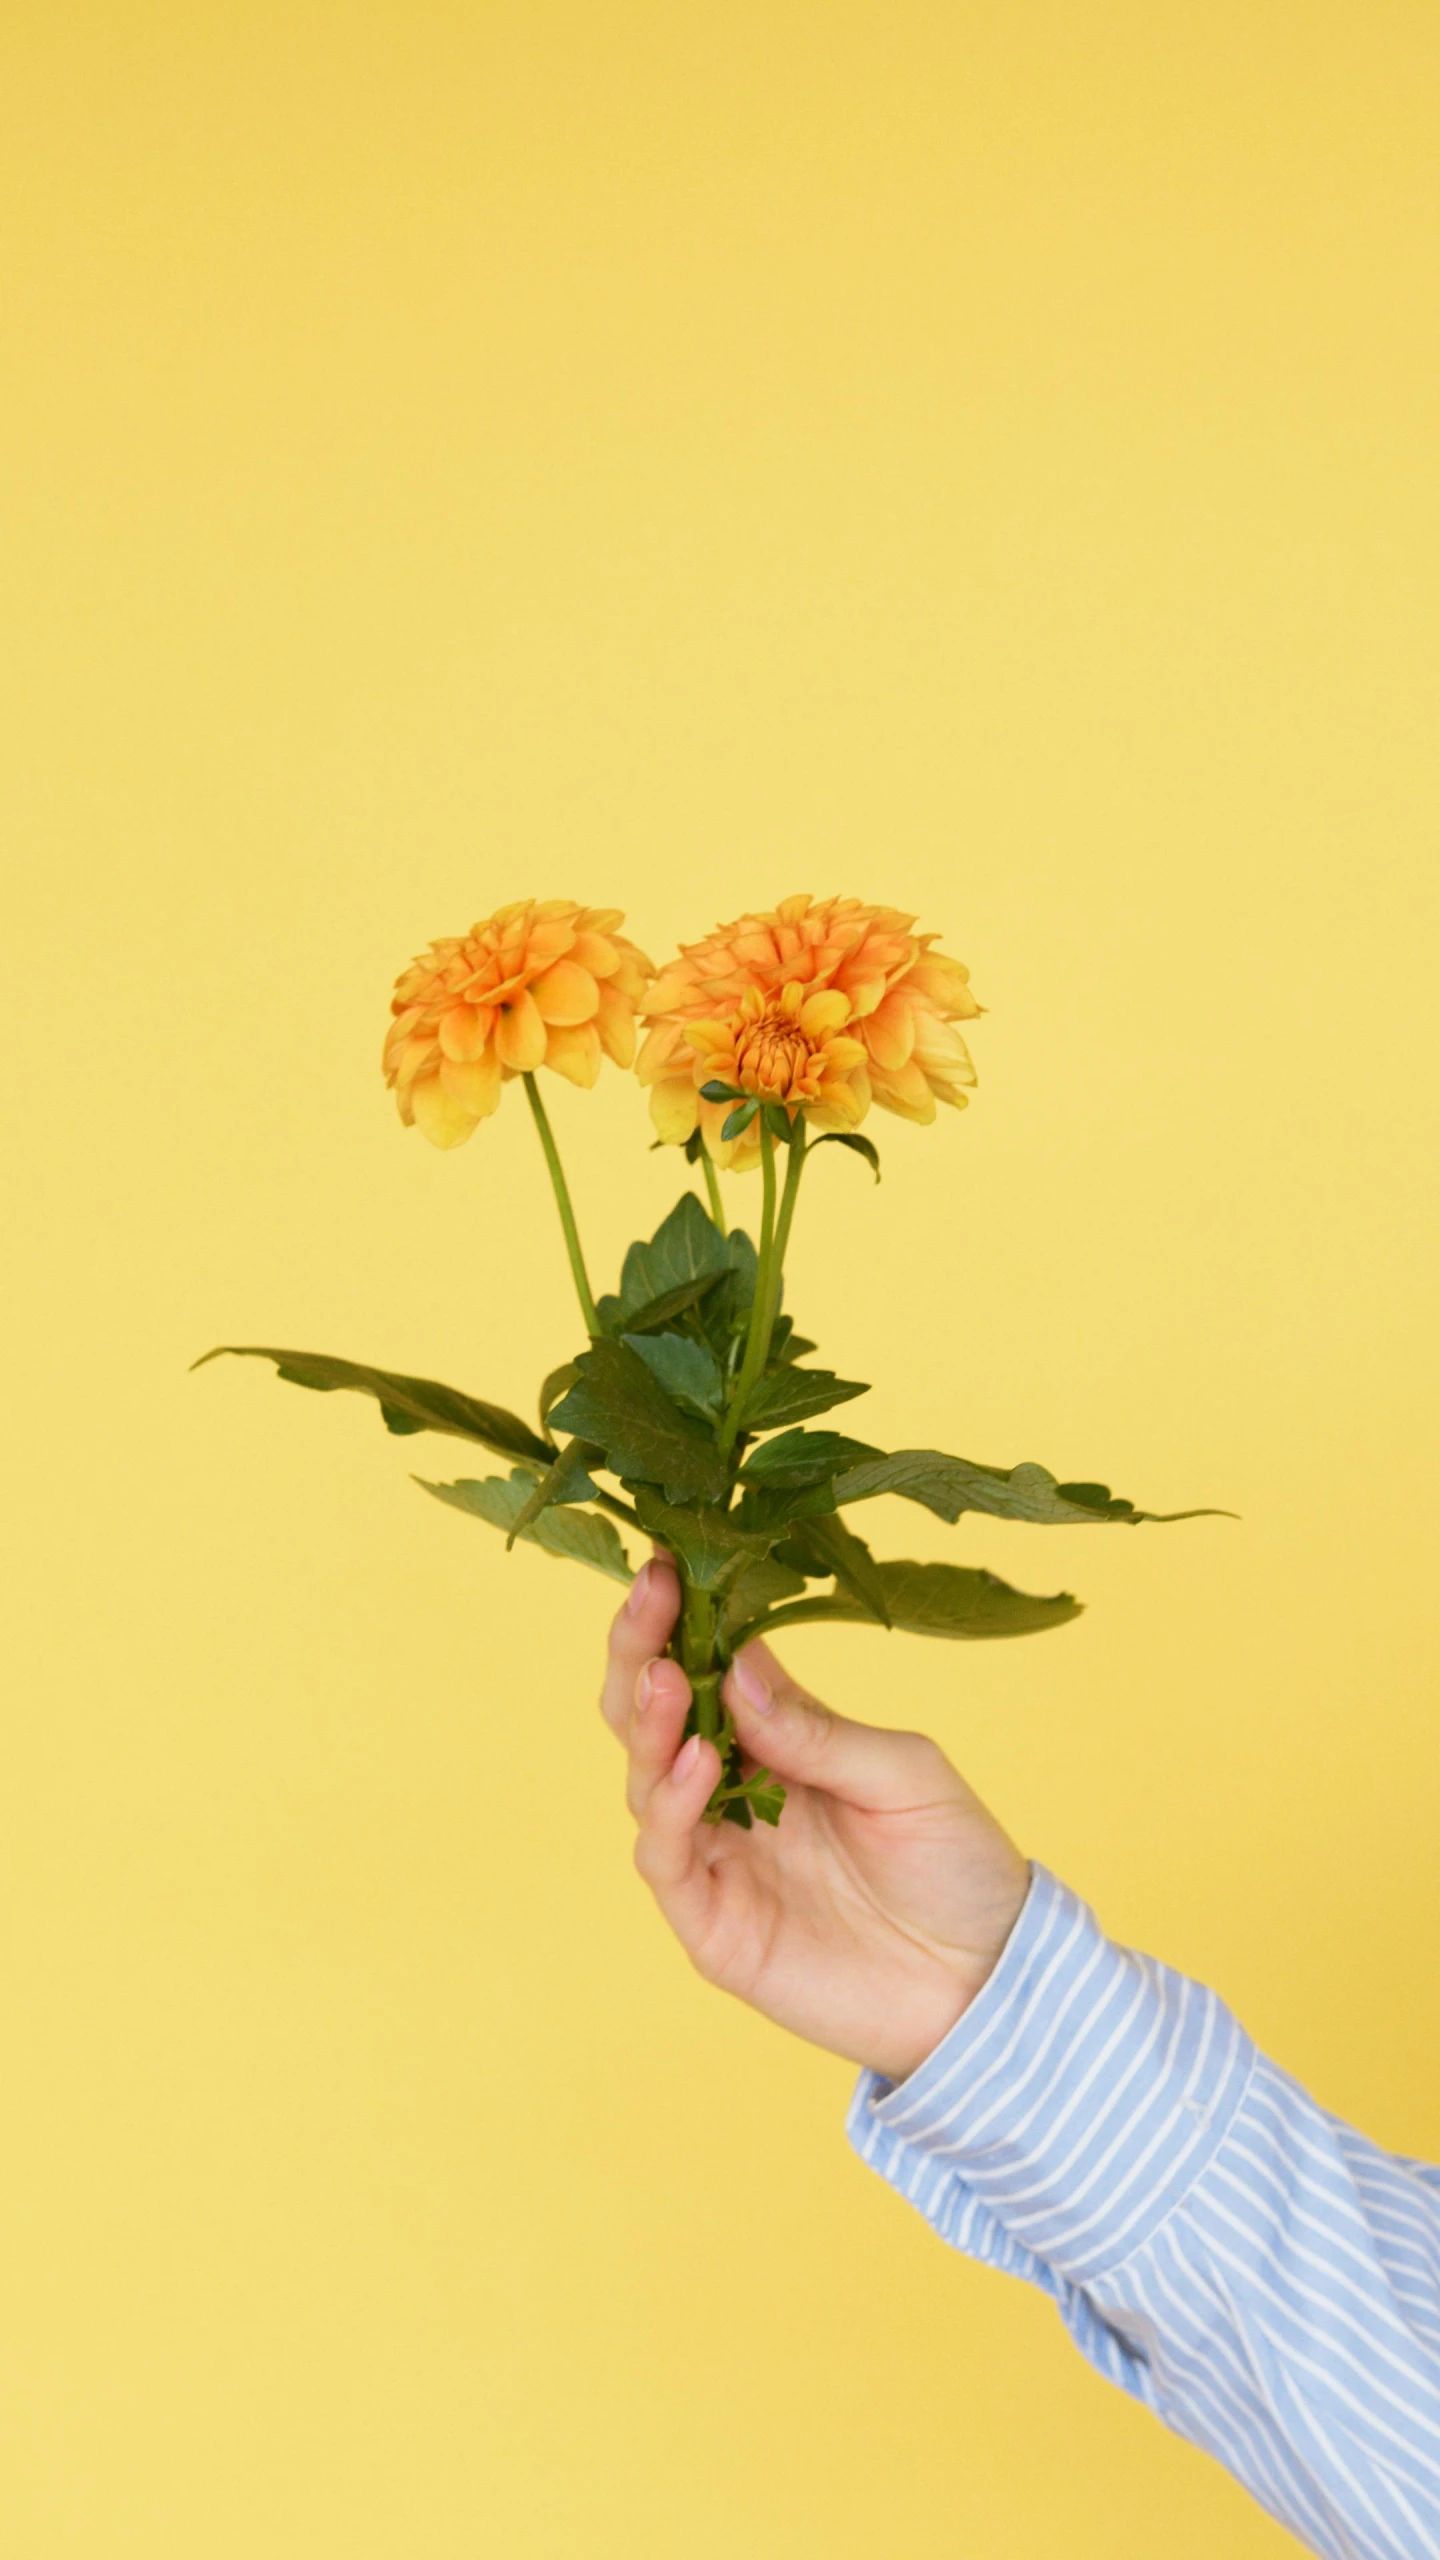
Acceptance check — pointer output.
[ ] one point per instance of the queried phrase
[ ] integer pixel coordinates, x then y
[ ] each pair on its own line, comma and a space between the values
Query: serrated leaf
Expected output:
769, 1510
949, 1486
688, 1371
724, 1315
789, 1394
953, 1600
687, 1245
786, 1344
708, 1545
618, 1404
859, 1146
660, 1311
758, 1586
803, 1457
569, 1480
584, 1537
837, 1550
406, 1404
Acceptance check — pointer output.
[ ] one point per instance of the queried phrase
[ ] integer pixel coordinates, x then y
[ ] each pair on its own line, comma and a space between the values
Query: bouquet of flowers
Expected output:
686, 1417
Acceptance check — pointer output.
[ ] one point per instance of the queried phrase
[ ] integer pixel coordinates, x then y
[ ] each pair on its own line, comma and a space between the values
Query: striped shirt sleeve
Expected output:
1261, 2276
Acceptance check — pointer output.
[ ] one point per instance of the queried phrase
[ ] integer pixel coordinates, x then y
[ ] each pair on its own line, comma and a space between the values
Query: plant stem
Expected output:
562, 1202
712, 1185
774, 1238
757, 1340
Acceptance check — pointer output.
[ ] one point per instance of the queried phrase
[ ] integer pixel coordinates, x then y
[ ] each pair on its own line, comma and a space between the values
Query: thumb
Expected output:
788, 1731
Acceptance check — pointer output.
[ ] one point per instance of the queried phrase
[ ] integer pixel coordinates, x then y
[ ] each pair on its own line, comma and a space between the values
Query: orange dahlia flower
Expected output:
546, 983
826, 1005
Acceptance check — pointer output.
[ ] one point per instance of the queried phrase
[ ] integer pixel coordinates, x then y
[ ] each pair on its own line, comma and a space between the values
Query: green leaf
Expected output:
758, 1586
788, 1395
694, 1146
685, 1245
586, 1537
940, 1600
948, 1486
786, 1344
769, 1509
716, 1090
707, 1543
865, 1147
406, 1404
803, 1457
618, 1404
688, 1371
554, 1388
725, 1314
836, 1549
736, 1122
569, 1480
658, 1313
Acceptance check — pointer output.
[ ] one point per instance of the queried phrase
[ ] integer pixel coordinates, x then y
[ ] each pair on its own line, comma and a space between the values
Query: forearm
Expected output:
1261, 2276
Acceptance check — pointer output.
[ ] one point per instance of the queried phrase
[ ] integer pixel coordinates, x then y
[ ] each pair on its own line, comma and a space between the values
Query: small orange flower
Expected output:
824, 1005
546, 983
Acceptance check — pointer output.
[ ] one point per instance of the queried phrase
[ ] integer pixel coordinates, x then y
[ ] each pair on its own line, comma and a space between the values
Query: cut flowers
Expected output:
688, 1415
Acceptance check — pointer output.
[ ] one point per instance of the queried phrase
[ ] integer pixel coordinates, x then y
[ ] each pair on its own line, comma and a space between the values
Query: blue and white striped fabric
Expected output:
1261, 2276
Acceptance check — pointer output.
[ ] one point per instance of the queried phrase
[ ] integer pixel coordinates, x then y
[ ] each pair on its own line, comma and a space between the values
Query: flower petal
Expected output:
890, 1032
573, 1050
566, 994
520, 1034
824, 1012
438, 1116
615, 1023
464, 1031
673, 1106
597, 953
473, 1083
905, 1091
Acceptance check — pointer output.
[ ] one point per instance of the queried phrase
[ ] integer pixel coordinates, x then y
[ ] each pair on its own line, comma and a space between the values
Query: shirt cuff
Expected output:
1077, 2100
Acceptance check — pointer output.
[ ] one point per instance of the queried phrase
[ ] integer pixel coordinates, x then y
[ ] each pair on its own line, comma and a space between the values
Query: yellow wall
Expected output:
976, 456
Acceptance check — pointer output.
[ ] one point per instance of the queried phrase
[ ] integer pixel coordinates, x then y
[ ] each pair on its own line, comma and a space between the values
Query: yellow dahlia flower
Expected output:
546, 983
827, 1005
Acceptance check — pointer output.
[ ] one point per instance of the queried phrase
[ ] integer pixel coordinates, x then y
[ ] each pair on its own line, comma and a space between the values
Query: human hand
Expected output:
870, 1917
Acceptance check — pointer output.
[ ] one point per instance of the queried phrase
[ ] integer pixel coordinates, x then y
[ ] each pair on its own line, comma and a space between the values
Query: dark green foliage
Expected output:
586, 1537
859, 1146
406, 1404
939, 1600
948, 1486
803, 1457
618, 1404
569, 1480
687, 1370
788, 1395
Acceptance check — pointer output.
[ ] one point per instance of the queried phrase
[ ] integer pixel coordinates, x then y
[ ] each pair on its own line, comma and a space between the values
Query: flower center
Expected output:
773, 1053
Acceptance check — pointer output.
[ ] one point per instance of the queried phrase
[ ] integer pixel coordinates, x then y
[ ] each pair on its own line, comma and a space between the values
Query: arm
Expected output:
1264, 2278
1258, 2274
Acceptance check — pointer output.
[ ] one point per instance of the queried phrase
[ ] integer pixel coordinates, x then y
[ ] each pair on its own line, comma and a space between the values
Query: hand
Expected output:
868, 1920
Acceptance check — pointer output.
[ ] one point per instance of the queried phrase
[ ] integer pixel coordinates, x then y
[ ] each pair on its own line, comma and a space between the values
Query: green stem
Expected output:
562, 1202
775, 1237
712, 1185
757, 1340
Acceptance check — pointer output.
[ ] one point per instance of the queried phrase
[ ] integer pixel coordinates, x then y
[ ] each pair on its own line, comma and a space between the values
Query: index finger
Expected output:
642, 1629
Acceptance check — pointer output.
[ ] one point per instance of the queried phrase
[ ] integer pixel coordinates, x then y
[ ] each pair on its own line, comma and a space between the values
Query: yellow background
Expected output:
981, 457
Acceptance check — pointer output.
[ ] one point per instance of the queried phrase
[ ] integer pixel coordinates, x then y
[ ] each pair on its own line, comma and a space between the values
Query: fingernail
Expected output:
685, 1759
753, 1686
645, 1688
638, 1588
